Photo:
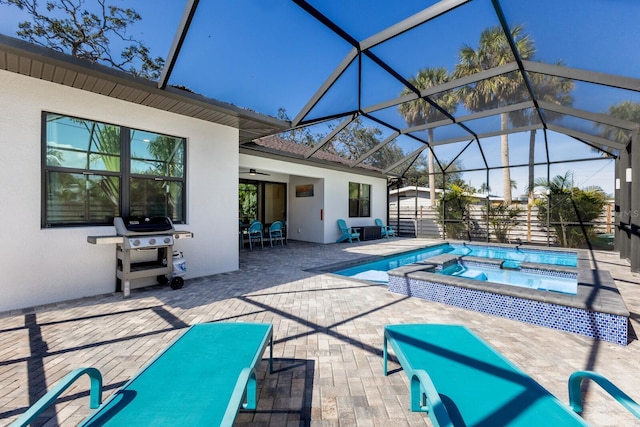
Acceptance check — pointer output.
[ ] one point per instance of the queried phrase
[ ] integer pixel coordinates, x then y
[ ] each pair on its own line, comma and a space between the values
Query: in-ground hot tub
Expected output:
595, 309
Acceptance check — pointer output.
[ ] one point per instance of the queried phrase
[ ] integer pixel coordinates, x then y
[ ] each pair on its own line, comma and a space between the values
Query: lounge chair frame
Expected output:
447, 365
211, 365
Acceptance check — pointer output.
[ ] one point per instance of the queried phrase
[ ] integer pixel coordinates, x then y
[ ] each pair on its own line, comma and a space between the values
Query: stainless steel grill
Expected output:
138, 234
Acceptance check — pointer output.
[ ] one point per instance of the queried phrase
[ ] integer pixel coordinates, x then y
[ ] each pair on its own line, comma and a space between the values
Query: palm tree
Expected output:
626, 110
493, 51
552, 89
567, 205
420, 111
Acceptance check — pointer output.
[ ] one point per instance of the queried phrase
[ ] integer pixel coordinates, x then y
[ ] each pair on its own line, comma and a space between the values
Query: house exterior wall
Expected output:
331, 195
41, 266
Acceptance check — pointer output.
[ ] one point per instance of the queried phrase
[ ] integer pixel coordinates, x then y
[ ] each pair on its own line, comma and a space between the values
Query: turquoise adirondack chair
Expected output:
385, 230
347, 233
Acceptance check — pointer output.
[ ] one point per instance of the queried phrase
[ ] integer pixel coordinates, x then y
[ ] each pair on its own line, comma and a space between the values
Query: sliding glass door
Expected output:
261, 200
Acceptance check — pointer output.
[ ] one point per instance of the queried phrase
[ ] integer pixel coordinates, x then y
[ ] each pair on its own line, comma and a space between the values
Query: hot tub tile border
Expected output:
593, 324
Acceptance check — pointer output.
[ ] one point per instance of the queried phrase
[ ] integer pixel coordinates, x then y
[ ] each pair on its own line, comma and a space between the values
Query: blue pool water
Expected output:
376, 271
517, 255
514, 278
389, 263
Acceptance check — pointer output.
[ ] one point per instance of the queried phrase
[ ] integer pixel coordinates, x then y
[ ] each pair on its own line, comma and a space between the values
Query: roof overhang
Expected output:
38, 62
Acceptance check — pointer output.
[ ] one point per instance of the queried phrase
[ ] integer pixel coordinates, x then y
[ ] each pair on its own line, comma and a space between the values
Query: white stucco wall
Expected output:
40, 266
331, 194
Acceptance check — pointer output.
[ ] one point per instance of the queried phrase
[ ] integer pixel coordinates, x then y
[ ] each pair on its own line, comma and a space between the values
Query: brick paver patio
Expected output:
328, 341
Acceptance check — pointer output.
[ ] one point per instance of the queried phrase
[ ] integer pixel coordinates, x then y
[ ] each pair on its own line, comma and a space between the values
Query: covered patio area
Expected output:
327, 340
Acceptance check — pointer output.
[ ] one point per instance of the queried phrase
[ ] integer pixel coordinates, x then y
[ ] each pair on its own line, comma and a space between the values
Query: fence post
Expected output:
529, 222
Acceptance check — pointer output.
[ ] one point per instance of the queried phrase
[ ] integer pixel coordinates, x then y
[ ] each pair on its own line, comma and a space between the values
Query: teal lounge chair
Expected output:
461, 381
202, 379
385, 230
347, 233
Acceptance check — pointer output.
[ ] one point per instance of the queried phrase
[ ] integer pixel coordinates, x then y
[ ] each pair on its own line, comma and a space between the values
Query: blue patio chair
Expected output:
255, 234
276, 233
385, 230
347, 233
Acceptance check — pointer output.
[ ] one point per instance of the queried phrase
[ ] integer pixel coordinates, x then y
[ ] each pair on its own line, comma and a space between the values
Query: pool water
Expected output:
516, 255
395, 261
513, 278
376, 271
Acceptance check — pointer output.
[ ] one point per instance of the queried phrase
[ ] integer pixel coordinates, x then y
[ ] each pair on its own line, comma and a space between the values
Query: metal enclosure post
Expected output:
634, 205
623, 223
444, 218
548, 205
618, 234
398, 207
488, 205
415, 212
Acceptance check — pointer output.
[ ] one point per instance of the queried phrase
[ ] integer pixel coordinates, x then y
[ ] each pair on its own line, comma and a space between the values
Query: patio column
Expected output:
619, 179
623, 206
634, 193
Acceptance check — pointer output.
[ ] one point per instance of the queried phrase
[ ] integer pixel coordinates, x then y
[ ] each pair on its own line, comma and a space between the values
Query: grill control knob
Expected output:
167, 240
152, 241
136, 242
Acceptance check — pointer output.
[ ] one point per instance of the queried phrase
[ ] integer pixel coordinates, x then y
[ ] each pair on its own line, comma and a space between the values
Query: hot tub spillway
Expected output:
510, 265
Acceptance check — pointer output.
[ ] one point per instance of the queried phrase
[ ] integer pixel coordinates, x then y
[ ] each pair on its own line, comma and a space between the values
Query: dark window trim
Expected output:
124, 174
360, 200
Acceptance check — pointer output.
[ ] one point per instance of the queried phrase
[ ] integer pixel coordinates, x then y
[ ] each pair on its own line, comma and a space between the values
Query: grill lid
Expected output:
141, 225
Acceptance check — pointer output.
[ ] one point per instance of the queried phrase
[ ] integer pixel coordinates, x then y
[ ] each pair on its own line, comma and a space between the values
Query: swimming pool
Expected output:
391, 262
472, 285
508, 271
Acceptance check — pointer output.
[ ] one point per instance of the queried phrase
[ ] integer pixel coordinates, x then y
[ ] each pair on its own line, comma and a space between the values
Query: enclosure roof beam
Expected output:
497, 111
404, 159
452, 84
411, 22
328, 138
390, 138
490, 134
595, 117
592, 138
178, 40
324, 88
605, 79
516, 53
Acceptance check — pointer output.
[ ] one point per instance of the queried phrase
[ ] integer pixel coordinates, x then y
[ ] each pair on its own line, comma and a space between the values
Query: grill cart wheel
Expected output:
177, 283
162, 279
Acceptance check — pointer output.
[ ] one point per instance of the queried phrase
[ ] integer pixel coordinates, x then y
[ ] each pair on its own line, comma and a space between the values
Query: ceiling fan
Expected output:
254, 172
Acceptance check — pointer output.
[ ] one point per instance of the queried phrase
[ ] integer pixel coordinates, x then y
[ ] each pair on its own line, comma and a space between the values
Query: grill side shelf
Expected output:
104, 240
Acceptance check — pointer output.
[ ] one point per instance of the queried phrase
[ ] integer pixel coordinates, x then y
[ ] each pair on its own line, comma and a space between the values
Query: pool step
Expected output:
475, 275
441, 261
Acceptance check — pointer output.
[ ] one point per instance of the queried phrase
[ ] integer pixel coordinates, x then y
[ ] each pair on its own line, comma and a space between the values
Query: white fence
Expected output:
422, 221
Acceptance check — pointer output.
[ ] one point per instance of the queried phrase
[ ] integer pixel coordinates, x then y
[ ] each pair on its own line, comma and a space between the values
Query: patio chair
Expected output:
255, 234
347, 233
276, 233
385, 230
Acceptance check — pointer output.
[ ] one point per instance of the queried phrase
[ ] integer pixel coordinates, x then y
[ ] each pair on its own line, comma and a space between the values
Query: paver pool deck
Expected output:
327, 340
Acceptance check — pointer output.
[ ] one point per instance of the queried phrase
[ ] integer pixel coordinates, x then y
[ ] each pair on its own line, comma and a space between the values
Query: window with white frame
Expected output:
93, 171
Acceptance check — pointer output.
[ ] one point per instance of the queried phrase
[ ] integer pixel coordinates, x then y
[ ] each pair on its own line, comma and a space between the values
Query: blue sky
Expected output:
264, 55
